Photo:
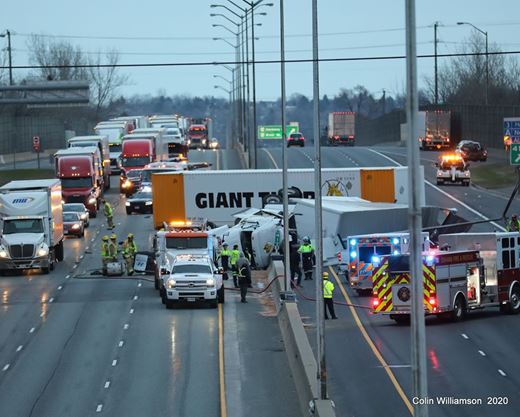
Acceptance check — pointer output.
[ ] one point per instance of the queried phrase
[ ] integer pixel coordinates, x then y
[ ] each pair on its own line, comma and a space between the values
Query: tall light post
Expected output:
9, 53
487, 54
219, 87
240, 109
435, 25
232, 115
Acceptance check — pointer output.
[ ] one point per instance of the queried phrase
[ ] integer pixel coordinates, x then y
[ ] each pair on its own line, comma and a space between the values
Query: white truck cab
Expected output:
192, 278
452, 169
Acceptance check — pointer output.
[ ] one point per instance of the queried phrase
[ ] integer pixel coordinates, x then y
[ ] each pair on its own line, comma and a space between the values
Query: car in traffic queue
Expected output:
472, 151
296, 139
78, 208
213, 144
453, 169
192, 278
72, 224
129, 183
141, 202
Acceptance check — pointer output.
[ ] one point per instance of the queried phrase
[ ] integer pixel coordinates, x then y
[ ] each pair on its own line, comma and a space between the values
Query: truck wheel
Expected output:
220, 295
128, 212
156, 283
93, 214
45, 270
163, 296
459, 309
514, 301
214, 303
440, 182
168, 304
58, 252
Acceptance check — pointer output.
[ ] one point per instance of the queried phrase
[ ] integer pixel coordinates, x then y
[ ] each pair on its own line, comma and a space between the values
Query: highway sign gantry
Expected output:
512, 129
515, 154
275, 131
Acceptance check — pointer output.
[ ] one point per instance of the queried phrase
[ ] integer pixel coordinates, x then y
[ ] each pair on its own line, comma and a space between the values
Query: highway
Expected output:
368, 357
77, 344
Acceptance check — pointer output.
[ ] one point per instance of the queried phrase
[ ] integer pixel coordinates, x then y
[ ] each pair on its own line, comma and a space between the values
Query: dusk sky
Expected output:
347, 29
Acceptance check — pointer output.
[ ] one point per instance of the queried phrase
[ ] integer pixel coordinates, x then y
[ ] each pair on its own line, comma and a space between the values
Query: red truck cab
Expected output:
78, 181
136, 153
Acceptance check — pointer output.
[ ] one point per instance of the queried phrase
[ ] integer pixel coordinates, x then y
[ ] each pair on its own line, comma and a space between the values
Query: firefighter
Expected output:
294, 262
224, 256
113, 248
105, 254
129, 252
109, 214
328, 303
513, 225
308, 259
235, 254
244, 276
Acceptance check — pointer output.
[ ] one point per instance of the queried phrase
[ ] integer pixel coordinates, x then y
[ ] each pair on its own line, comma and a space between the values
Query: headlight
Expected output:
127, 184
204, 141
171, 283
148, 203
75, 226
43, 252
92, 200
127, 204
83, 216
3, 254
210, 282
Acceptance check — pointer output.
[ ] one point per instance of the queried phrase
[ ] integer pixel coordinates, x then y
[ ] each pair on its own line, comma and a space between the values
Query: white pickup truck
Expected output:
452, 169
192, 278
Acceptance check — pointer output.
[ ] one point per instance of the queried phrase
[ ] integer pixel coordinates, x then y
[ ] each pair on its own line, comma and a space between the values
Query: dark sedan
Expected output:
130, 182
472, 151
140, 202
72, 224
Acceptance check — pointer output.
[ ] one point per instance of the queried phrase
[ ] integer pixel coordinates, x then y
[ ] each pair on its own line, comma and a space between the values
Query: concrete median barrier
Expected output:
299, 352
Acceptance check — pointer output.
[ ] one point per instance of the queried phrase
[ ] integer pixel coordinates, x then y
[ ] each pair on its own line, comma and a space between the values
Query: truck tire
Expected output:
220, 295
213, 303
513, 307
58, 252
45, 270
459, 309
169, 304
440, 182
93, 214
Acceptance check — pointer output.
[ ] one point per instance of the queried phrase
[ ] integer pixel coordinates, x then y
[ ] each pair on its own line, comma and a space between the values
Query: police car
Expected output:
452, 169
192, 278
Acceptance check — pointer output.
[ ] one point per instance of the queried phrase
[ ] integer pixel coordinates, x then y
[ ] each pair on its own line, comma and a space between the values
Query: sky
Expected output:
184, 33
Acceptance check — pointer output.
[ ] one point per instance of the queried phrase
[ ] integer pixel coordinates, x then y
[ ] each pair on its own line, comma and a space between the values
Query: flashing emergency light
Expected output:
396, 252
430, 259
395, 240
433, 301
353, 254
353, 242
375, 302
376, 259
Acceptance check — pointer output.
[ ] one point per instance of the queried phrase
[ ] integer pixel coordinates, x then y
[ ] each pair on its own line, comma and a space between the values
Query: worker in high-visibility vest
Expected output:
308, 259
328, 303
235, 254
105, 253
113, 248
224, 256
109, 214
129, 252
513, 225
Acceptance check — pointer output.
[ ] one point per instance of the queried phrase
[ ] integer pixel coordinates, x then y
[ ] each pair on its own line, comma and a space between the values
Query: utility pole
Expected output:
320, 318
9, 54
384, 101
418, 338
436, 69
253, 148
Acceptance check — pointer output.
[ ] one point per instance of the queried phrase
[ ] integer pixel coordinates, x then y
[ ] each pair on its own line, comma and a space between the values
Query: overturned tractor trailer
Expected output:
219, 195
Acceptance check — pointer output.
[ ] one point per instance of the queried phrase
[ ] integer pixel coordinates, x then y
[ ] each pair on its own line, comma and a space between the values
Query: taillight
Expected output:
375, 302
433, 301
339, 256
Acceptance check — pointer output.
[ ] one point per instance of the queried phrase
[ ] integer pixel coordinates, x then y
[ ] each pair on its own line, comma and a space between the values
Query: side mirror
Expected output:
221, 270
164, 271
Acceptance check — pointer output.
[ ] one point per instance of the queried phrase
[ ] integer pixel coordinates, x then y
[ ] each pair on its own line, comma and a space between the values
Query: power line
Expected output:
272, 61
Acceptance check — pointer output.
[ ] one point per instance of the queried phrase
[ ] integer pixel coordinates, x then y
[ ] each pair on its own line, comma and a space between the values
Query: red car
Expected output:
296, 139
72, 224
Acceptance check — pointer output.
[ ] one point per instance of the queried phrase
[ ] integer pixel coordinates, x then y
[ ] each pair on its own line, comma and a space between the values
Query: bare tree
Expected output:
105, 78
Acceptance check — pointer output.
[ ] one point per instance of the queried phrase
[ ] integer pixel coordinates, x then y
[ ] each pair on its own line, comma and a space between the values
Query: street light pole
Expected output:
253, 148
9, 54
418, 338
435, 25
320, 318
487, 56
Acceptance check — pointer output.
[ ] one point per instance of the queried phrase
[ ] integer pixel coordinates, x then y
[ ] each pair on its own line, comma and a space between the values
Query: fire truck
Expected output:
474, 271
364, 252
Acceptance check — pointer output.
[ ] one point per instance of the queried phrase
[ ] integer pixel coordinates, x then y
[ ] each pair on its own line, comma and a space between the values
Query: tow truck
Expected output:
481, 271
453, 169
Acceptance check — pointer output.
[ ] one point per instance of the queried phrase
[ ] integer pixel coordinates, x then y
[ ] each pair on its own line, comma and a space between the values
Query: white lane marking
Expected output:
136, 297
51, 300
271, 158
75, 266
482, 353
6, 367
60, 288
99, 408
92, 240
67, 276
126, 326
87, 248
121, 343
465, 336
32, 330
114, 362
395, 366
444, 193
107, 384
131, 311
139, 285
42, 314
19, 348
501, 372
82, 256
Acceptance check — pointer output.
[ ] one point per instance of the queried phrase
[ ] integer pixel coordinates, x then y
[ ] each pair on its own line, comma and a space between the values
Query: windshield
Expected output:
173, 131
115, 147
146, 175
198, 131
70, 217
134, 173
142, 196
112, 133
186, 242
79, 208
81, 182
135, 161
296, 135
23, 226
81, 144
191, 269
